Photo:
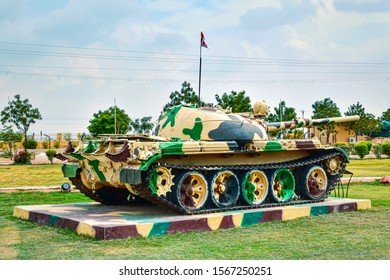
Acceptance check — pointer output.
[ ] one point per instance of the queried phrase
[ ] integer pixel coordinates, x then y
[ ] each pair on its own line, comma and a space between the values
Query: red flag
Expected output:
202, 41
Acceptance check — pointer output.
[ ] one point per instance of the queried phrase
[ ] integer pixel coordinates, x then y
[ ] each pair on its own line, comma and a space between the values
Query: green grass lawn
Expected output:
369, 167
31, 175
347, 235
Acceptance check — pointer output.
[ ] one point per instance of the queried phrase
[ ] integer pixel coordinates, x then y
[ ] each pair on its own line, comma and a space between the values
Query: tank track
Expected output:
145, 192
76, 181
124, 197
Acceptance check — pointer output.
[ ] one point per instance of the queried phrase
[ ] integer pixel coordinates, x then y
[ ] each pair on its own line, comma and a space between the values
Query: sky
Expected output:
73, 58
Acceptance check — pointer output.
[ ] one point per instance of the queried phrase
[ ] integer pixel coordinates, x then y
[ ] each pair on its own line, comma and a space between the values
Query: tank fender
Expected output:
344, 153
69, 169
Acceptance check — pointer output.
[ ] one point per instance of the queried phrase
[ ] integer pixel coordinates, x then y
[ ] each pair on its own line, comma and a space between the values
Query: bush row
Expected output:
32, 144
364, 148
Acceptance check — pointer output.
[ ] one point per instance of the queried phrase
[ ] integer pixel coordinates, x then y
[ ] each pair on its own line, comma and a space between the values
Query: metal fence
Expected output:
53, 136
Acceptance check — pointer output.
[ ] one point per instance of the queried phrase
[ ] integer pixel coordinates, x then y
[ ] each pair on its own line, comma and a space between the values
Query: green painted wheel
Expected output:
282, 185
254, 187
312, 183
224, 189
161, 181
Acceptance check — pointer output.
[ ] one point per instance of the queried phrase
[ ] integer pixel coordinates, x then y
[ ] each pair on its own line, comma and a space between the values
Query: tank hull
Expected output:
193, 177
207, 160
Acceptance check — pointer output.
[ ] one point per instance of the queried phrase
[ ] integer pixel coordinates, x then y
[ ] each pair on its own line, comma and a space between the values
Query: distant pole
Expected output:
202, 44
115, 114
281, 116
200, 73
303, 129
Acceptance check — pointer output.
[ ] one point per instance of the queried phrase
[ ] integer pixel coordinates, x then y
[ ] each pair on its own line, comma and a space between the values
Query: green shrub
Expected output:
31, 144
56, 144
45, 144
6, 154
346, 149
352, 146
22, 158
344, 146
341, 144
361, 149
378, 150
369, 146
386, 148
50, 155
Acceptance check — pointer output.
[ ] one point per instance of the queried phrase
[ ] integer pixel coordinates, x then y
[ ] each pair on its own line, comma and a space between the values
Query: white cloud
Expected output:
289, 12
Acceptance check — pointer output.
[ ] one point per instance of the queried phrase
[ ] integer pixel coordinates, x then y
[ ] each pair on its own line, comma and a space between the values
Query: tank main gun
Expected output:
304, 122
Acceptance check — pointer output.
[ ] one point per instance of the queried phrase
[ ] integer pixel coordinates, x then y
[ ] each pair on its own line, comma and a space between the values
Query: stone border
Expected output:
116, 222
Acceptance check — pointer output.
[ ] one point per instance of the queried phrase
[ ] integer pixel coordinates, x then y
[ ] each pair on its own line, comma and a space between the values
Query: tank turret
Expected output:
203, 160
211, 124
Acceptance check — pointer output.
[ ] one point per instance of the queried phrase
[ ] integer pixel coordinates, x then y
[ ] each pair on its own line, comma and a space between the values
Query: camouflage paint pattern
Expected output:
105, 222
187, 136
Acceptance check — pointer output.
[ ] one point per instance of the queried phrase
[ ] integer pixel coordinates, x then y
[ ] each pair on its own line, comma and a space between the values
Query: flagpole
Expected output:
114, 115
200, 73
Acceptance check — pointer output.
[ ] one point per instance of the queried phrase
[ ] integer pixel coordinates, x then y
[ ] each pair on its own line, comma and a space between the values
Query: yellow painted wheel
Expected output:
255, 187
192, 191
334, 165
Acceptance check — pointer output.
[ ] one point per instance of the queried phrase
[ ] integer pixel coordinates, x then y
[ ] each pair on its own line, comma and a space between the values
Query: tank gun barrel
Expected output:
304, 122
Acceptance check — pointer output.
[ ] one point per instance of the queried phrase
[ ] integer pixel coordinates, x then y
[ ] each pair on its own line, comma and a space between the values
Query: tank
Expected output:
204, 160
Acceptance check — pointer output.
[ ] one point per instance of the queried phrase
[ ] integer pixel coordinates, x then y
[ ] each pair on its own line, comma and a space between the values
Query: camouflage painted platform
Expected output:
115, 222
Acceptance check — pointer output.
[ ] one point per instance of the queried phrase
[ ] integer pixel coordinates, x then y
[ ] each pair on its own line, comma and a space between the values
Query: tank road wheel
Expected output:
334, 165
282, 185
312, 183
161, 181
224, 188
191, 190
254, 187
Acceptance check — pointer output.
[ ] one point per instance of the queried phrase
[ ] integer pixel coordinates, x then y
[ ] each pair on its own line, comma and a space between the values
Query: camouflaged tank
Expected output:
203, 160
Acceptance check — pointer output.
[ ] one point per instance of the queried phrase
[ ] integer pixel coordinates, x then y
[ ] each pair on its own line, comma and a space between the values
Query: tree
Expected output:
104, 122
237, 102
50, 155
326, 109
186, 95
367, 123
282, 113
371, 124
142, 125
67, 136
10, 137
386, 115
21, 114
354, 109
